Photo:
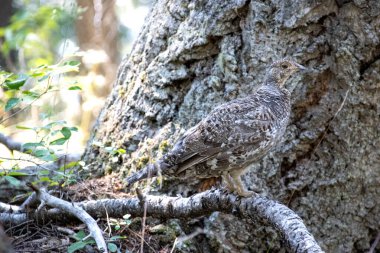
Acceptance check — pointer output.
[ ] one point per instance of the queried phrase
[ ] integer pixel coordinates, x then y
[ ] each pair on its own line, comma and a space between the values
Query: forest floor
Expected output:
122, 235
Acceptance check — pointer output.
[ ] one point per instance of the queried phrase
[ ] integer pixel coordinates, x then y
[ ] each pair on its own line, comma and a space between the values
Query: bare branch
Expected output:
13, 145
76, 211
6, 208
288, 223
10, 143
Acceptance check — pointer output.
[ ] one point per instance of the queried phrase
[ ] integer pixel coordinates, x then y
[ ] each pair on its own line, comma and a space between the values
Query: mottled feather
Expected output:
232, 136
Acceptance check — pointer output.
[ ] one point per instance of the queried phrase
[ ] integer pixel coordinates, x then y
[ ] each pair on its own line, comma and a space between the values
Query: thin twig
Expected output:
374, 244
322, 137
329, 122
139, 236
143, 223
187, 237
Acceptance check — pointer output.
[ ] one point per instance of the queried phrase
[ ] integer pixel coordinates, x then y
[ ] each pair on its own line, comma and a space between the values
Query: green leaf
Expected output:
76, 246
75, 88
66, 132
16, 84
41, 152
72, 63
16, 173
12, 102
43, 172
44, 154
45, 179
24, 128
117, 237
32, 145
48, 158
112, 247
30, 94
121, 151
54, 123
37, 74
69, 165
43, 78
12, 180
80, 235
54, 183
59, 141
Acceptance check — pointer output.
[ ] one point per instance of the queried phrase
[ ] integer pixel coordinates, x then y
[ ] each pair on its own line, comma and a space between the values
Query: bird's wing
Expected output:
229, 127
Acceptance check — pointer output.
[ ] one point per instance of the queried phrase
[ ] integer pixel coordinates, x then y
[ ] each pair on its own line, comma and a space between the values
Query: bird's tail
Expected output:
150, 170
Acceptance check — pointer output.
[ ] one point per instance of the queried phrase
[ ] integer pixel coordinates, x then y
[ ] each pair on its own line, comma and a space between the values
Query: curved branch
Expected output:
288, 223
75, 210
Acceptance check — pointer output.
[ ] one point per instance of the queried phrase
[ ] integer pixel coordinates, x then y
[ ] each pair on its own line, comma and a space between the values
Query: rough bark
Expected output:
191, 56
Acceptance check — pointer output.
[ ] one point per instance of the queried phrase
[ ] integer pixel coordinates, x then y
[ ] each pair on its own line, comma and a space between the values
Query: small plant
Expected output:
20, 92
82, 241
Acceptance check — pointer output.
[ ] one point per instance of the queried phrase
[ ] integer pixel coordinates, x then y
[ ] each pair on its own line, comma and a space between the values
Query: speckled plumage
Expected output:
232, 136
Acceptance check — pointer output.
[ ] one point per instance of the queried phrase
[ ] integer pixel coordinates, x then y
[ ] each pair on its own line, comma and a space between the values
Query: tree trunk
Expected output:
97, 29
192, 56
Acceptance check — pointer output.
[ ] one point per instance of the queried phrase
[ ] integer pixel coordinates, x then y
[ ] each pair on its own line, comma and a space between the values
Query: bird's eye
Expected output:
284, 66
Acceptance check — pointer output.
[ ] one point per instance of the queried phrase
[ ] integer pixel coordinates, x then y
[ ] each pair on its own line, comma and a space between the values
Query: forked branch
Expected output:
295, 234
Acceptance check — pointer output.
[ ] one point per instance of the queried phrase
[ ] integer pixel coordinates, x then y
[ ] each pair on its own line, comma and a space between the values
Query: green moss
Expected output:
143, 160
121, 92
164, 146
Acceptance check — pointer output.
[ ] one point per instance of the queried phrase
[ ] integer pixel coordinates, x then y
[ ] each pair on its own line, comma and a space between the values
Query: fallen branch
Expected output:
6, 208
288, 223
76, 211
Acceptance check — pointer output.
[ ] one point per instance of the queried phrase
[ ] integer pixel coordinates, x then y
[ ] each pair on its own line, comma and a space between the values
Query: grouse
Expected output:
232, 136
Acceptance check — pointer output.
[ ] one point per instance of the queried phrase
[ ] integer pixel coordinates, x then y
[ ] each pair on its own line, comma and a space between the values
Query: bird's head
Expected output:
281, 70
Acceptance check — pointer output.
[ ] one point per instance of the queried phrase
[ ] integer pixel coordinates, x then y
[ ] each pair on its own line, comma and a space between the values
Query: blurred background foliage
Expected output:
58, 62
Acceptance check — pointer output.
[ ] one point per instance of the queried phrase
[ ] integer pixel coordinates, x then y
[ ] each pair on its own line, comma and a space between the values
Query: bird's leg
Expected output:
229, 183
238, 184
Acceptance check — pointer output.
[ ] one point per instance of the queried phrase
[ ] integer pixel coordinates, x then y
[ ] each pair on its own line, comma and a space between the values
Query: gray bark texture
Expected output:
192, 56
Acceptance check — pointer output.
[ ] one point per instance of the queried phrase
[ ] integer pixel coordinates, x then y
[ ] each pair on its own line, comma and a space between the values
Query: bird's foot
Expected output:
226, 190
245, 193
240, 192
